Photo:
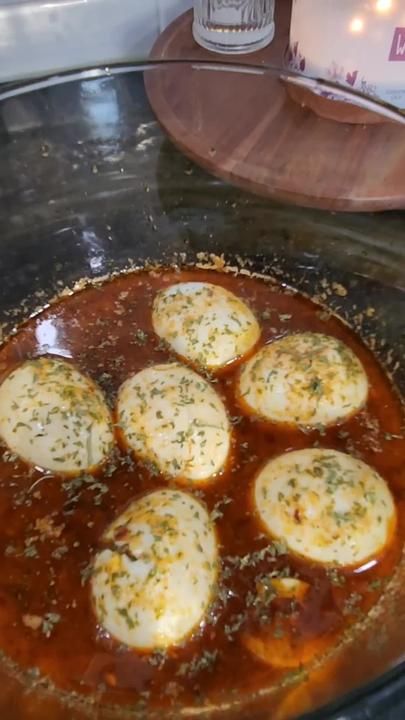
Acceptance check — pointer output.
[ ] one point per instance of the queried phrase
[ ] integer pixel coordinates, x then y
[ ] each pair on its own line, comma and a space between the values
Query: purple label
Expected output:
398, 45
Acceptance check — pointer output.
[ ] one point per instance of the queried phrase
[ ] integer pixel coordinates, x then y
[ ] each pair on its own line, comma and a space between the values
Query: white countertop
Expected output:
39, 37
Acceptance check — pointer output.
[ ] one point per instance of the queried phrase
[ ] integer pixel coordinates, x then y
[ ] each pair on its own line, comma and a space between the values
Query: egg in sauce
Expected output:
174, 418
304, 379
155, 578
326, 506
255, 608
53, 416
205, 323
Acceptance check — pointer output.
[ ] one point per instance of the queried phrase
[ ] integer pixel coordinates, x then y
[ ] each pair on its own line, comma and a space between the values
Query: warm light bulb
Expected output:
383, 6
357, 25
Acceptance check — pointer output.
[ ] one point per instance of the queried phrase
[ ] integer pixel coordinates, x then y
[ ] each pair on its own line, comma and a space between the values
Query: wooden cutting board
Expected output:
245, 128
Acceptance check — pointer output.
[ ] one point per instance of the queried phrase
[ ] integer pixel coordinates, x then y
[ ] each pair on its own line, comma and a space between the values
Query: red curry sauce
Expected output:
50, 526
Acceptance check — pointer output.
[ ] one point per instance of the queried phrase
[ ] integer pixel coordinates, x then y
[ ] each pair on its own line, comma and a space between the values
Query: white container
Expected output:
356, 43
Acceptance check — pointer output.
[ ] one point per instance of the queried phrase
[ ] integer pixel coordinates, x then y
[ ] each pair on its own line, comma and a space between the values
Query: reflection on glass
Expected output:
96, 252
49, 339
99, 102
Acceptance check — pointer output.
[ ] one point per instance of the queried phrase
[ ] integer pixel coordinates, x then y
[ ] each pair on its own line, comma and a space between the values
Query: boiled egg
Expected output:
326, 506
290, 588
175, 420
278, 640
278, 645
54, 417
205, 323
305, 379
155, 579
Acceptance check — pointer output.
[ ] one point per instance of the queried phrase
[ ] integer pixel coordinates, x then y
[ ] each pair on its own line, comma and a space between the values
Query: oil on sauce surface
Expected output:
50, 526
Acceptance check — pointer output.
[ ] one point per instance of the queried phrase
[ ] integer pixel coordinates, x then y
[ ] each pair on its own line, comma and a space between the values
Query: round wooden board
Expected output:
246, 129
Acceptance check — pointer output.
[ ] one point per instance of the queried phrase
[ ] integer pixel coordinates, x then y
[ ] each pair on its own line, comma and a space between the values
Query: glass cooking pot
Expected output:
91, 185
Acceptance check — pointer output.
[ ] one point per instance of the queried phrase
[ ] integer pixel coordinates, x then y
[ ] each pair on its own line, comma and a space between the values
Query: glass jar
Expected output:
233, 26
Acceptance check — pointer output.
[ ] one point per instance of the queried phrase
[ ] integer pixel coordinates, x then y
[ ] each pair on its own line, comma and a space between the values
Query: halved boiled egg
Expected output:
54, 417
205, 323
327, 506
304, 379
173, 418
155, 579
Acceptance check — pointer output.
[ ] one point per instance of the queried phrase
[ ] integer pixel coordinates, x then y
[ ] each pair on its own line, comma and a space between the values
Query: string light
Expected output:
357, 25
383, 6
